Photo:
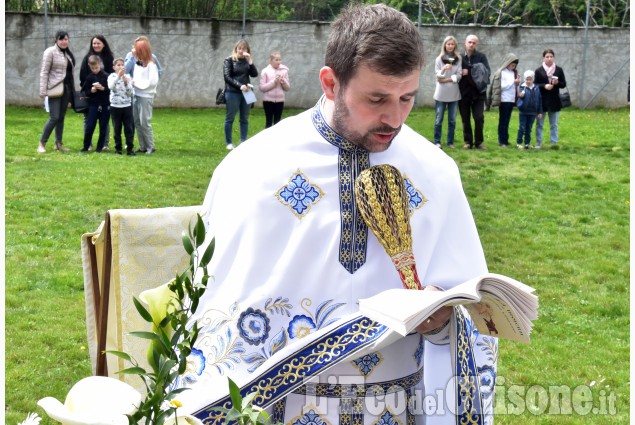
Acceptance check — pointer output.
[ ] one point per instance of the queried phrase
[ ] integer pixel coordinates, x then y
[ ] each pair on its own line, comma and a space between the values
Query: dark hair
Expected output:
544, 53
378, 36
106, 52
61, 35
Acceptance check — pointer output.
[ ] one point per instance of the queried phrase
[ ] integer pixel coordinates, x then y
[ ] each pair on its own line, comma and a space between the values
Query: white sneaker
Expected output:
537, 147
229, 147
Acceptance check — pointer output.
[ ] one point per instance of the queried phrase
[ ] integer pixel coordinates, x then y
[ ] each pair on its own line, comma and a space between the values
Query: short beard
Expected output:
341, 119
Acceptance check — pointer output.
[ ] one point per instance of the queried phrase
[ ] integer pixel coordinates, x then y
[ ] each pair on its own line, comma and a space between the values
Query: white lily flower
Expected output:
31, 419
159, 301
96, 400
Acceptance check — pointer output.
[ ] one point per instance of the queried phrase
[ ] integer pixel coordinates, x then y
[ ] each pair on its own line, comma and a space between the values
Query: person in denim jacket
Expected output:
530, 107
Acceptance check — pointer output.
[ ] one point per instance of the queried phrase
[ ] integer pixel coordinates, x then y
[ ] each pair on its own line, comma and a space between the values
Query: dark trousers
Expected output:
101, 114
524, 128
123, 118
504, 117
273, 112
476, 107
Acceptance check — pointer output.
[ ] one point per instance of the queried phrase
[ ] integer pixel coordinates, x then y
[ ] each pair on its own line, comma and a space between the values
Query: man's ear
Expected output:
329, 82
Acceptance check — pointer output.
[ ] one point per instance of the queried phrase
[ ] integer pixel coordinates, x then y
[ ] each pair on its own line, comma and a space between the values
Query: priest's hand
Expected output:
437, 320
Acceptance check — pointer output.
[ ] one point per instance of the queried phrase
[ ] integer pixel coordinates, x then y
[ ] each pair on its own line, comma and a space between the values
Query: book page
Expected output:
250, 96
494, 317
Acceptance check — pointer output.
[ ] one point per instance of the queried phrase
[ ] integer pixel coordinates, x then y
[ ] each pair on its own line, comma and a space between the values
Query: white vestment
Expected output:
274, 209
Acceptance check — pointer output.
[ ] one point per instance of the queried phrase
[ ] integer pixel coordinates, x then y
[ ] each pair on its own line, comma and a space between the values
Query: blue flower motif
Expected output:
195, 366
310, 418
487, 377
416, 200
367, 363
253, 326
301, 326
387, 419
299, 194
419, 352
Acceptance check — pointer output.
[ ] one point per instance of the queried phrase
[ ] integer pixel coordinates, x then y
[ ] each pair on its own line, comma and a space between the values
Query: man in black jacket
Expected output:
472, 99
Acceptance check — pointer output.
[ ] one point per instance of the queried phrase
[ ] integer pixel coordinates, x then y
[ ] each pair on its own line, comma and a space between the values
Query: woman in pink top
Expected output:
274, 81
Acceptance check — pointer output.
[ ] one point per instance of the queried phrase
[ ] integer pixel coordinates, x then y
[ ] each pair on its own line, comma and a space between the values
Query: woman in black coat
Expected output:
237, 70
549, 79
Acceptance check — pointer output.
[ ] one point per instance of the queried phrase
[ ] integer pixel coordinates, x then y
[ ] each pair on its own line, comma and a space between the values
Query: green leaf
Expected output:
142, 310
145, 335
248, 399
133, 371
234, 393
233, 415
187, 243
253, 417
209, 252
265, 416
119, 354
199, 231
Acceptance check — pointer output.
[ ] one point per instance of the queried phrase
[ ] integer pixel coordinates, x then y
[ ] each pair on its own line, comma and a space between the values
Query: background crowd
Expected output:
124, 94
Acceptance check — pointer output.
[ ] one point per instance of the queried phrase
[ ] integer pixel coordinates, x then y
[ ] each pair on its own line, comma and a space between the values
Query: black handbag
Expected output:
80, 102
220, 97
565, 98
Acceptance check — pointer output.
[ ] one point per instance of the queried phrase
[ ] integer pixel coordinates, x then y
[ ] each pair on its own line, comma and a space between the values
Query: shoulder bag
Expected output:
80, 102
56, 91
220, 97
565, 98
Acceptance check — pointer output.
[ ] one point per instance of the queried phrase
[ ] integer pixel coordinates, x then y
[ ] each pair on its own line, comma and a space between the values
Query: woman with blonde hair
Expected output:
237, 69
447, 68
145, 80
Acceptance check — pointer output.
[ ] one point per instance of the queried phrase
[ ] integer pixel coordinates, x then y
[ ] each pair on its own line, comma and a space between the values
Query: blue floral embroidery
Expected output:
195, 366
276, 343
487, 377
301, 326
387, 419
367, 363
253, 326
299, 194
419, 352
415, 198
310, 418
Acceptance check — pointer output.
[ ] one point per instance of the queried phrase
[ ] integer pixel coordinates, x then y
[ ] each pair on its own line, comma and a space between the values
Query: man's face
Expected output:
370, 111
470, 44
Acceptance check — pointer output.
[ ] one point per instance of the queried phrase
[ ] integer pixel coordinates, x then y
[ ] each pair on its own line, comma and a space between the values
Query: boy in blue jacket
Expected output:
530, 107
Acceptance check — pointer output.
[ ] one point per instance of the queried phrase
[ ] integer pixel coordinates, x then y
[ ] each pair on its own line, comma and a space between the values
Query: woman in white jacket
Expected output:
274, 82
447, 71
56, 69
145, 80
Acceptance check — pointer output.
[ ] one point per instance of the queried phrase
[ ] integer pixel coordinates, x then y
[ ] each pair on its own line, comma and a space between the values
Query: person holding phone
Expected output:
237, 70
96, 89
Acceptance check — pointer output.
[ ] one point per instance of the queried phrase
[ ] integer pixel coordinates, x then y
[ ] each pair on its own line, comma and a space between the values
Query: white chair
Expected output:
131, 251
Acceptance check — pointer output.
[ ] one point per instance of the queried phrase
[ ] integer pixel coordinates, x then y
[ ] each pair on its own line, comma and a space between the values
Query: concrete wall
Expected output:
192, 52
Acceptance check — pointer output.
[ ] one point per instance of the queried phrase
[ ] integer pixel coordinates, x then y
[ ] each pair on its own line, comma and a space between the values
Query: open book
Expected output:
499, 305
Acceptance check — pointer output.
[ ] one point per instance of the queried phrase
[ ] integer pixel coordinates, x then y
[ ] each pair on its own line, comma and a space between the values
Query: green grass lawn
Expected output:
557, 220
